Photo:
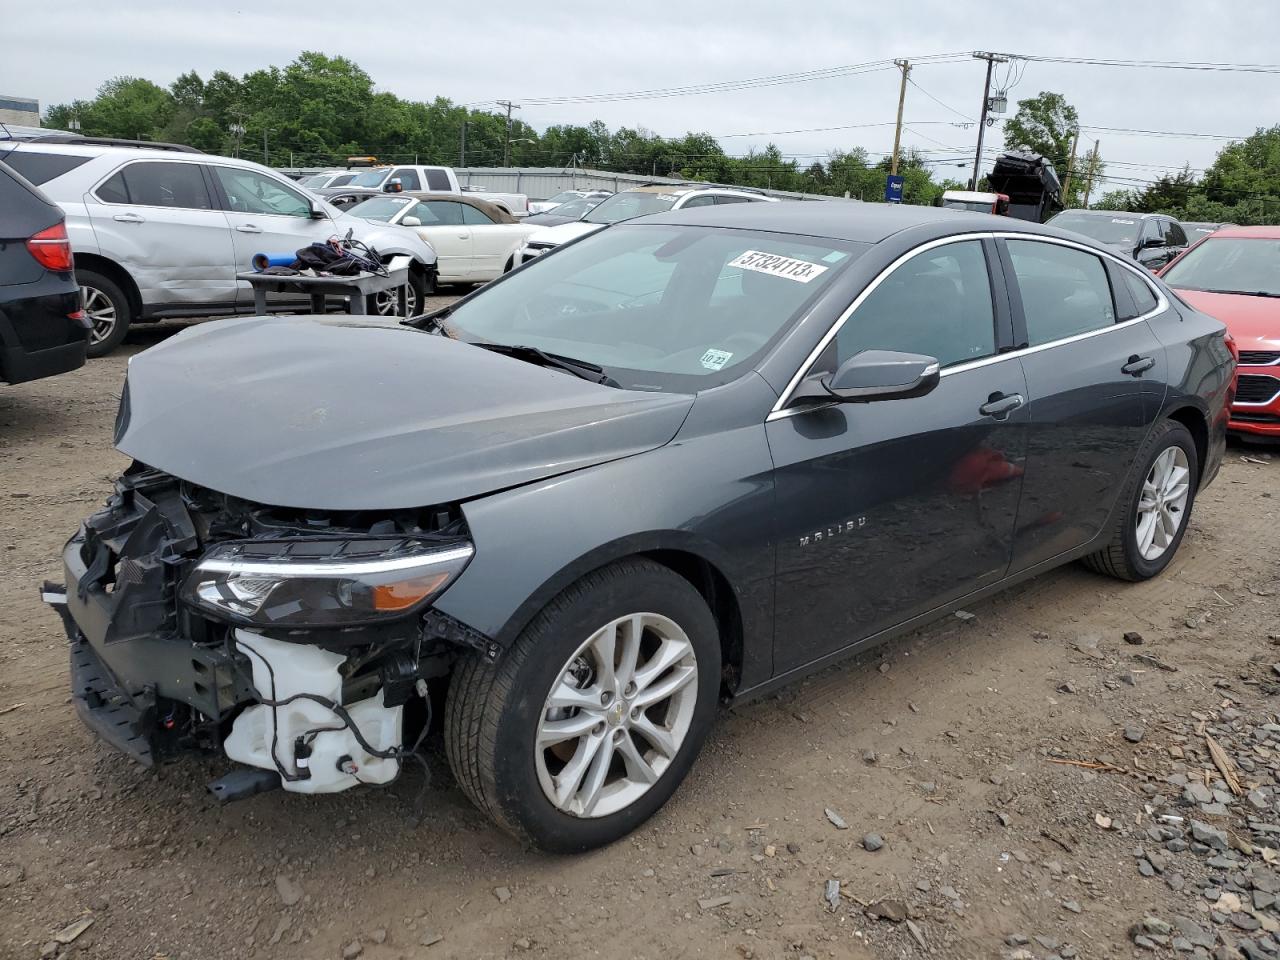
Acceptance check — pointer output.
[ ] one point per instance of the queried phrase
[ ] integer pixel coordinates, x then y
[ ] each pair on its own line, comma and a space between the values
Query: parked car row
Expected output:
414, 178
1152, 239
546, 206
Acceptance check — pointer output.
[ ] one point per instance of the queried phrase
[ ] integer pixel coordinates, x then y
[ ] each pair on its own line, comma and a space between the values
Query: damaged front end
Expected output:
290, 639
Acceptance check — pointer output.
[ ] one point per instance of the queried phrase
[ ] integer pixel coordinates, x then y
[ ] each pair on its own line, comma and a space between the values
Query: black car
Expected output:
1152, 239
687, 459
42, 328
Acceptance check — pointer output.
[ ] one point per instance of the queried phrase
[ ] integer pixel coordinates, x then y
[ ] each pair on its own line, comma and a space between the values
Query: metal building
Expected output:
19, 110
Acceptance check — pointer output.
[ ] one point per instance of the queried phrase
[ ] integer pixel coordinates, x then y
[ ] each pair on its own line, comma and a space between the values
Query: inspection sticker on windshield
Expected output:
1129, 223
715, 359
802, 271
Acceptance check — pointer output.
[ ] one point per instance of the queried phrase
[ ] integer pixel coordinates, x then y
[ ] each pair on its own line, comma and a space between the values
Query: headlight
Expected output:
321, 582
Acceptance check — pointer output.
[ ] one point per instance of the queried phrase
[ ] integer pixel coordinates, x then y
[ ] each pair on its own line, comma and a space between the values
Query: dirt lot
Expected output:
943, 744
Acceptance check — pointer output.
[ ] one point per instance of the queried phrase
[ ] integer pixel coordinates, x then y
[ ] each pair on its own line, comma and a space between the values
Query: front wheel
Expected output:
586, 726
1155, 507
387, 303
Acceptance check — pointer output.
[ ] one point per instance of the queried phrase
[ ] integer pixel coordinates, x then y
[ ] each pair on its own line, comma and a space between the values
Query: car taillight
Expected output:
52, 248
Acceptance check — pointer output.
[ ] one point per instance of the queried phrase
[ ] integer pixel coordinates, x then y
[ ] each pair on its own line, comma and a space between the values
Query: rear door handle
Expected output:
129, 218
1137, 365
249, 228
1000, 405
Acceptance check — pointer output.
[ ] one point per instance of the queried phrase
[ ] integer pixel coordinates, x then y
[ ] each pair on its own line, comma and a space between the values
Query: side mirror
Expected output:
1151, 242
1002, 207
393, 186
410, 222
318, 212
873, 375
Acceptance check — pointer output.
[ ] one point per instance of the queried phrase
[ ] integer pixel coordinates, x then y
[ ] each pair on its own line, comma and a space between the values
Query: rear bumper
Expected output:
38, 338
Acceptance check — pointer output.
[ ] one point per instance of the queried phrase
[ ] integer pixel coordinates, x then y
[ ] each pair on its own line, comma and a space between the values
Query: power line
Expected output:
1196, 65
728, 86
963, 116
1164, 133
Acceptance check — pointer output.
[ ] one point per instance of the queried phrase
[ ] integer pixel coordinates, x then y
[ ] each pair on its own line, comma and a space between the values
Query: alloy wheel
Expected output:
617, 715
1162, 505
100, 311
387, 303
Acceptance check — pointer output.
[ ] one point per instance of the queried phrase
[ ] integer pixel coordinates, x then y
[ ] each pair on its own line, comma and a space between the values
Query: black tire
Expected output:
1121, 557
494, 709
104, 337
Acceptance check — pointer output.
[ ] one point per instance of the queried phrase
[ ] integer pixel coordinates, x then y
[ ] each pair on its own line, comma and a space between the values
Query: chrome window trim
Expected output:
780, 410
1259, 403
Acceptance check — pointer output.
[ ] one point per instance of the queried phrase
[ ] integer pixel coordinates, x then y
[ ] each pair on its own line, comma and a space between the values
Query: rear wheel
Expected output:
587, 725
107, 308
1156, 507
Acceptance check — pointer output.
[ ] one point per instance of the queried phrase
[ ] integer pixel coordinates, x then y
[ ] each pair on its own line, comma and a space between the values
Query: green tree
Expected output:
1044, 124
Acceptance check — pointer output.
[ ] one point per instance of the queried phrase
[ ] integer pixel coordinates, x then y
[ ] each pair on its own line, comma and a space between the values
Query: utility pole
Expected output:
905, 67
506, 143
1093, 166
992, 59
1071, 162
462, 149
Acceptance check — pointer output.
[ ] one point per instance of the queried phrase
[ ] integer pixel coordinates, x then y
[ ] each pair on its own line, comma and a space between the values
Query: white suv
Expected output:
639, 202
162, 232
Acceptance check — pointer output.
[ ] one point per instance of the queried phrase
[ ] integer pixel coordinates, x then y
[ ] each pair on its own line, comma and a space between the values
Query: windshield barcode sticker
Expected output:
802, 271
715, 359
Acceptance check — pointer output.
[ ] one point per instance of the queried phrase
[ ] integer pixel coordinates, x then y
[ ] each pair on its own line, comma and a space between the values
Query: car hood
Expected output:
565, 232
359, 414
1254, 322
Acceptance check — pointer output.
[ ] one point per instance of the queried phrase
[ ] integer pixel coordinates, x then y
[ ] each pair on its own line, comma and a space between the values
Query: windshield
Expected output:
658, 307
977, 206
380, 208
1119, 230
370, 178
1229, 265
574, 209
316, 180
564, 197
629, 204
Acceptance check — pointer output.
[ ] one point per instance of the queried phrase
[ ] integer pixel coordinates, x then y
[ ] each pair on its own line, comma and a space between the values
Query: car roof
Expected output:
1095, 212
845, 220
1250, 233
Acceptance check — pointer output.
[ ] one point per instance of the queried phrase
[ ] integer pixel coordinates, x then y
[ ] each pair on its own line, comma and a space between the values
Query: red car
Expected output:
1234, 274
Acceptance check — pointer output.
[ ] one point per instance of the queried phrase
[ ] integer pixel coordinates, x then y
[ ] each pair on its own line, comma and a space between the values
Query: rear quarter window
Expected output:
438, 181
40, 167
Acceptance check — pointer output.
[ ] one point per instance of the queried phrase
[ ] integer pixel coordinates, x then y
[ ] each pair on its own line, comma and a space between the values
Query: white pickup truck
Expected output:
416, 179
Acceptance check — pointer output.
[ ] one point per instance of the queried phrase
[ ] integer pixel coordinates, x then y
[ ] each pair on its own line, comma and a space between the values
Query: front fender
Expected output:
709, 495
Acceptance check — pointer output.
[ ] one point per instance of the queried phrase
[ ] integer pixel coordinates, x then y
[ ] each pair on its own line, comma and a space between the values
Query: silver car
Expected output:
163, 232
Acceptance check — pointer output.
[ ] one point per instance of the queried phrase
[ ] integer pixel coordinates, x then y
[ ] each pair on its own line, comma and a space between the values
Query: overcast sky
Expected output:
522, 51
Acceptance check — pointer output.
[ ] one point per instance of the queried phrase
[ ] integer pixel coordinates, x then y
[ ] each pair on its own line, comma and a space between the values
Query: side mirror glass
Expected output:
1151, 242
873, 375
410, 222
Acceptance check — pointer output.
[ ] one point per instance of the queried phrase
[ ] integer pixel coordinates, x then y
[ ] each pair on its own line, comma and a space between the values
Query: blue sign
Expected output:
893, 188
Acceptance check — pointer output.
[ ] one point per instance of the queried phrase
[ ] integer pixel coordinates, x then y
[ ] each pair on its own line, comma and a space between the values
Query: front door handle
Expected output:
1000, 405
129, 218
249, 228
1137, 365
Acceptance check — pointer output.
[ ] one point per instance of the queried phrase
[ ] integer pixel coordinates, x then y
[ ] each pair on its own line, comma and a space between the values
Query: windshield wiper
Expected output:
430, 321
579, 368
1246, 293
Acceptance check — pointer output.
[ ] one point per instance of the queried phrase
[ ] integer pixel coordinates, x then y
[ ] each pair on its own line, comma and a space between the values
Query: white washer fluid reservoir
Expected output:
282, 669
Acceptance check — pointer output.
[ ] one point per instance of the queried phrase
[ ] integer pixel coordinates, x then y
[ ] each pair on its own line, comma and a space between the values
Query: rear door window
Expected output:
41, 167
1177, 236
1065, 291
160, 183
438, 181
1144, 298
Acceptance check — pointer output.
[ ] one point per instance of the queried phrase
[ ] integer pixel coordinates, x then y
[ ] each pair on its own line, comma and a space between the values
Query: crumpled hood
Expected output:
348, 413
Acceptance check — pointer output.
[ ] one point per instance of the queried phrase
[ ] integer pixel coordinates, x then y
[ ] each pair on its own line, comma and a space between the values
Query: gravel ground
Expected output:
1025, 783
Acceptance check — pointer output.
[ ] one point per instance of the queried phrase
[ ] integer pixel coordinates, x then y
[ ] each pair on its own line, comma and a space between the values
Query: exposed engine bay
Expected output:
292, 640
